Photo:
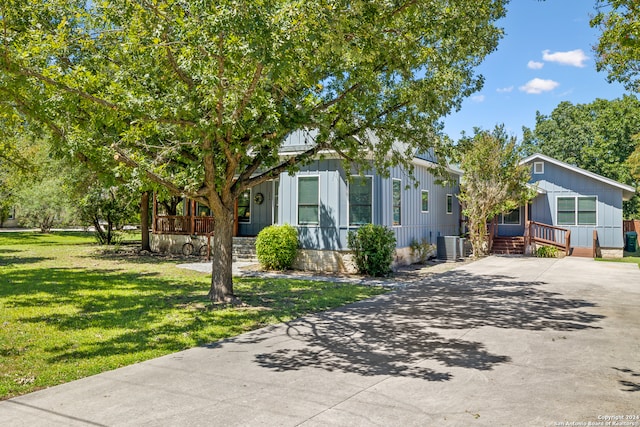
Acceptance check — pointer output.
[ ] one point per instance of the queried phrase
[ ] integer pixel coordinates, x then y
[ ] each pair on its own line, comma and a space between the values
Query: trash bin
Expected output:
631, 238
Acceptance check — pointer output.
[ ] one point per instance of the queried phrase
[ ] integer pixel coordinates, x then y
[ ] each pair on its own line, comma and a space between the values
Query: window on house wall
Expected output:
449, 203
425, 201
360, 200
510, 218
244, 207
308, 200
538, 168
577, 210
276, 200
587, 211
396, 200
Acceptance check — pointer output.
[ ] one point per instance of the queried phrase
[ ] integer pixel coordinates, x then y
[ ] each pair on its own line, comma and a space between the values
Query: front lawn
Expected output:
67, 310
632, 257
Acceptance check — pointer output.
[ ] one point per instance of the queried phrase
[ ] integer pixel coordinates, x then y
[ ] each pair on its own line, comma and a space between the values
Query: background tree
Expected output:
599, 137
494, 182
199, 96
618, 48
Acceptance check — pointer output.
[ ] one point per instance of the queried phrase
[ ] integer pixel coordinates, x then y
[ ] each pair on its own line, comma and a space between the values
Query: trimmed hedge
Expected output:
277, 247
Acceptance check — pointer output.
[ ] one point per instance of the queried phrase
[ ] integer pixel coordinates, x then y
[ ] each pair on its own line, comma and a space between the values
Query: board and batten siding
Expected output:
331, 232
557, 182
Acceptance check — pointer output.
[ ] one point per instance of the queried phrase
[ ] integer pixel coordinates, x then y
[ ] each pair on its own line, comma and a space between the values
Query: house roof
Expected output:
627, 190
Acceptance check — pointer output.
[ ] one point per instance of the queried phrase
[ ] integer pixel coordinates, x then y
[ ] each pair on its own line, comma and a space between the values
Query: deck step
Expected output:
508, 245
582, 252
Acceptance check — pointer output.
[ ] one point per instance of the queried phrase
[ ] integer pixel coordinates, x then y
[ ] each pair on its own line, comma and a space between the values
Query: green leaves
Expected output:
618, 49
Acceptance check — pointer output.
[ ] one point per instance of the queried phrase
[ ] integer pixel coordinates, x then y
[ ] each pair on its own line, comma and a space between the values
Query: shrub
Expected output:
547, 252
422, 250
277, 246
373, 247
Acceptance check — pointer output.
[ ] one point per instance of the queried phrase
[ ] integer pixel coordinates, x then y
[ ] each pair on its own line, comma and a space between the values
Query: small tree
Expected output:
493, 181
106, 209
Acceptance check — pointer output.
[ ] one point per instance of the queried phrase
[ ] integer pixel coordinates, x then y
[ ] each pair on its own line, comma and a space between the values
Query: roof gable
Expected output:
627, 190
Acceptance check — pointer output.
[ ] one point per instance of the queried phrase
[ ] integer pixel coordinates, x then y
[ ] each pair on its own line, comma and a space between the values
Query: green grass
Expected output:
69, 310
631, 257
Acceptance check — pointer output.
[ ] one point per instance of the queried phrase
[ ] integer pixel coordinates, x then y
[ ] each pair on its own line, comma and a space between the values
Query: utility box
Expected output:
450, 248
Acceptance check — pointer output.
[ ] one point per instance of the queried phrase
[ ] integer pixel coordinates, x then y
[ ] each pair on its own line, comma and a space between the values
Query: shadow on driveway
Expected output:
397, 333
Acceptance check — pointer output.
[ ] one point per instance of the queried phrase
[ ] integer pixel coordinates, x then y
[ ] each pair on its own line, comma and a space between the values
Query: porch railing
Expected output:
200, 225
548, 235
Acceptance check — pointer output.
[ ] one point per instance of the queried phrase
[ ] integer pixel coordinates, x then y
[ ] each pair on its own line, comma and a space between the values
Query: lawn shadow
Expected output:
397, 333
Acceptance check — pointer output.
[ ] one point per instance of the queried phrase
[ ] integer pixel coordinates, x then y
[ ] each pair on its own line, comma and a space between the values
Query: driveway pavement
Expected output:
500, 342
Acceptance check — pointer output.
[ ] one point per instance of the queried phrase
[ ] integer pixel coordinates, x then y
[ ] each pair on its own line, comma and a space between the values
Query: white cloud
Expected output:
535, 65
504, 89
575, 58
537, 86
478, 98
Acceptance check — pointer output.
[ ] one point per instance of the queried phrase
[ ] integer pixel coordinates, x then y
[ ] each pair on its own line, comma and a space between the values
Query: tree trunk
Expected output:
222, 257
144, 220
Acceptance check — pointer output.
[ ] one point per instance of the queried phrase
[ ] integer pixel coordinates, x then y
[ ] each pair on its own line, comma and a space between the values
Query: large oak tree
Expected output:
199, 95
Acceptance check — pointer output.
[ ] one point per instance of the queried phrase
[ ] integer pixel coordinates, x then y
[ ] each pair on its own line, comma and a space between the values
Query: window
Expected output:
538, 168
360, 200
396, 200
425, 201
577, 210
587, 211
244, 207
449, 203
510, 218
308, 204
12, 213
276, 200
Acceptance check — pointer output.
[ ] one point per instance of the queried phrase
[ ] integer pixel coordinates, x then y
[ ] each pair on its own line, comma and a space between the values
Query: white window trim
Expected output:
535, 166
298, 200
424, 191
400, 224
275, 184
446, 204
373, 193
575, 197
250, 208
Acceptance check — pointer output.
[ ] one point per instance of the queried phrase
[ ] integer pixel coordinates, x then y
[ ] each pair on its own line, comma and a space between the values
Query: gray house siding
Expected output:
331, 232
557, 181
261, 214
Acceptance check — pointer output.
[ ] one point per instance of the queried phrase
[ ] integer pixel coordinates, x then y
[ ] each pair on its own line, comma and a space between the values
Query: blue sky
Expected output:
545, 58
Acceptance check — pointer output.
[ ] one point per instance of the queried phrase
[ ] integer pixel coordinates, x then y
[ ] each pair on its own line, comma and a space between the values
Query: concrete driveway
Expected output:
500, 342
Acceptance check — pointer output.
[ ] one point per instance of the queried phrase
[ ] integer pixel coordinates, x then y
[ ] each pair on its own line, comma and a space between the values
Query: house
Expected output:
574, 209
11, 220
324, 205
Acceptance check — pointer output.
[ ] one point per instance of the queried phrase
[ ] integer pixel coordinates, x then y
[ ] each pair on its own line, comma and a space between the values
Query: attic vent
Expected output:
538, 168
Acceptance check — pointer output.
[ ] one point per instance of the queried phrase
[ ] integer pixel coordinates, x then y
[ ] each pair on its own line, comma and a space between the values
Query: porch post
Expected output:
193, 216
155, 213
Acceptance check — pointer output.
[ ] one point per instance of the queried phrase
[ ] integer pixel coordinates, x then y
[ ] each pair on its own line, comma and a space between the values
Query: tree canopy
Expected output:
199, 95
494, 182
599, 137
618, 48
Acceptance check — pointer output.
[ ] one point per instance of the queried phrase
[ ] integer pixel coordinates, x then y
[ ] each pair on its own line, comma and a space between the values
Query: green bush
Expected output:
277, 246
547, 252
373, 247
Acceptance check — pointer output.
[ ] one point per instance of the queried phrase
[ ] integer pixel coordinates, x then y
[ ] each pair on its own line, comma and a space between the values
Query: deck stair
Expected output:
244, 249
508, 245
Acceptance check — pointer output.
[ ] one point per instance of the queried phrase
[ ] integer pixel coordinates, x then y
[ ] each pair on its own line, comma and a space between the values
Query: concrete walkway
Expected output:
498, 342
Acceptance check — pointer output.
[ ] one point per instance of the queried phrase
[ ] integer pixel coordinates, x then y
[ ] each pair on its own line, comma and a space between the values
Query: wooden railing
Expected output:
548, 235
199, 225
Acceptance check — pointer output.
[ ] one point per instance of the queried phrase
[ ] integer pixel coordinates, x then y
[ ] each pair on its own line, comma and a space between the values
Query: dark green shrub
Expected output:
373, 247
547, 252
277, 246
